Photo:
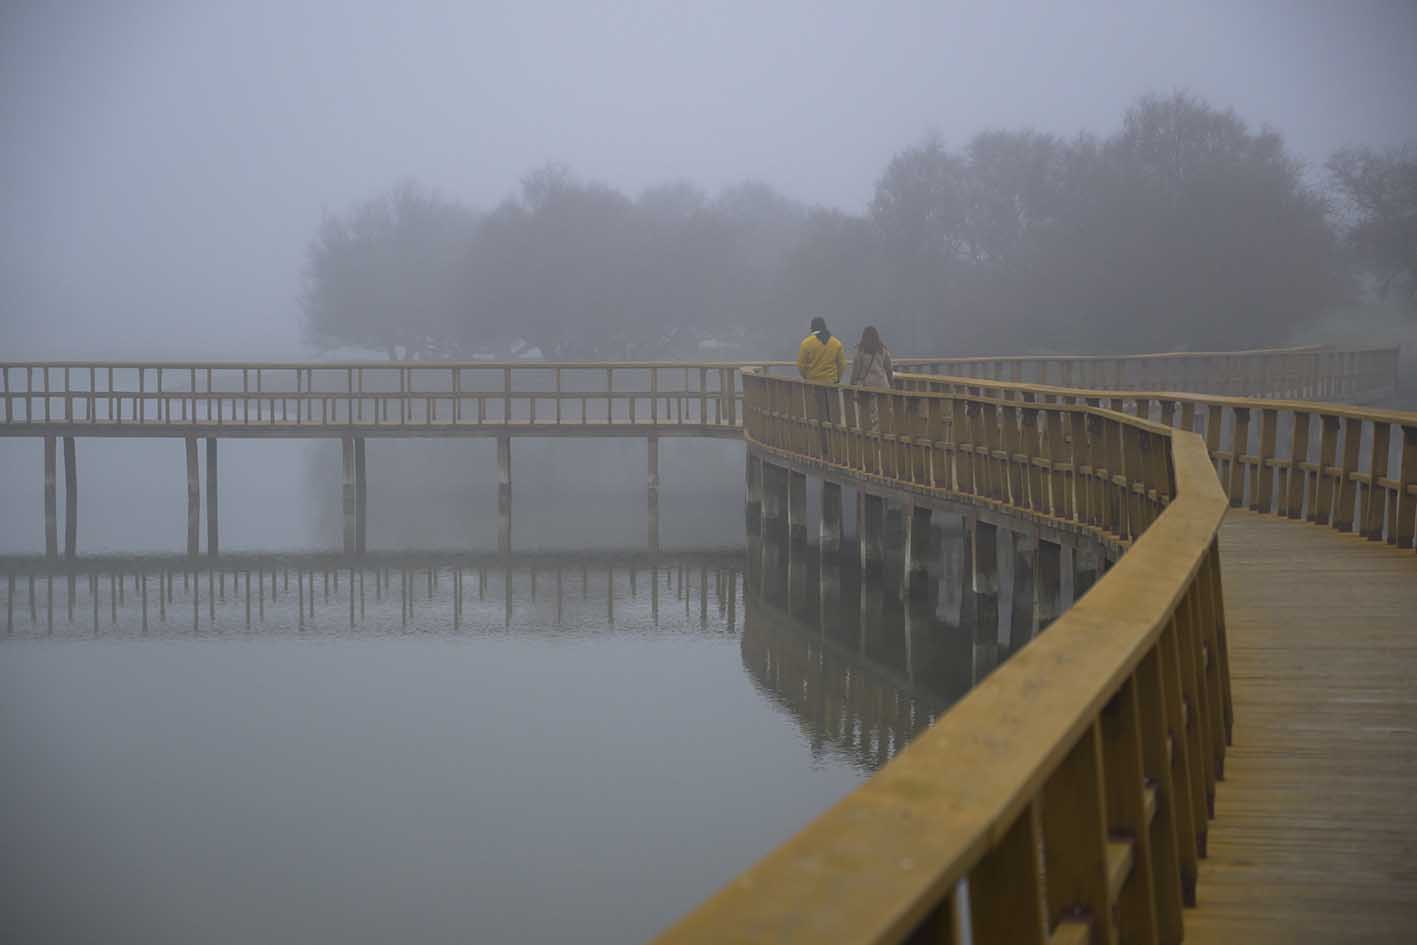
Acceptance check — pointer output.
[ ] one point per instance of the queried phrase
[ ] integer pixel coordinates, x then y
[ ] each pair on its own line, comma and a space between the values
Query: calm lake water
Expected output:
441, 747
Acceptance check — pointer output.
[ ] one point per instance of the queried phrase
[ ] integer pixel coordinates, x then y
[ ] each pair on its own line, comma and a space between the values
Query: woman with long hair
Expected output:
872, 367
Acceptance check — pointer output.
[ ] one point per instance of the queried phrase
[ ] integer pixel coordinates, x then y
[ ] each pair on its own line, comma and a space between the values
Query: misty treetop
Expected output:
1185, 228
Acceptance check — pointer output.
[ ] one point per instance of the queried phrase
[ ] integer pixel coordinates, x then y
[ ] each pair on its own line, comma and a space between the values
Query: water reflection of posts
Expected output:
753, 511
829, 540
774, 526
796, 507
870, 522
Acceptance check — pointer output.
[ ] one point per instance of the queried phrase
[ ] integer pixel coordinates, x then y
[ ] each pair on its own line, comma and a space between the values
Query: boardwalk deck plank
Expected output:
1315, 835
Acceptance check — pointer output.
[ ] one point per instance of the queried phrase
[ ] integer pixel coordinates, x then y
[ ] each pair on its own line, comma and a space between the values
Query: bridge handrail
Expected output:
1312, 372
1352, 468
1104, 735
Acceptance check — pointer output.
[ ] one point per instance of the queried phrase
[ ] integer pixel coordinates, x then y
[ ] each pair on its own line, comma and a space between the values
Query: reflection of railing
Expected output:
861, 672
1354, 468
104, 595
1073, 786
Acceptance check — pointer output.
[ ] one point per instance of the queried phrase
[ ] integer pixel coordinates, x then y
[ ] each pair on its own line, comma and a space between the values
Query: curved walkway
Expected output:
1315, 833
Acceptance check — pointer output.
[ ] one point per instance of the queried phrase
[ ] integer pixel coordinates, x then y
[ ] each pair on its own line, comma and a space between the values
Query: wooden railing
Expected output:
377, 394
1355, 375
1354, 469
412, 397
1067, 796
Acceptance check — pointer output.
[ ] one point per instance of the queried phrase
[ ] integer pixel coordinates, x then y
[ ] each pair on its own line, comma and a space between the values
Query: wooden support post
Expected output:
51, 515
774, 501
1021, 553
194, 498
71, 498
1088, 565
915, 581
796, 508
985, 541
652, 490
361, 497
1047, 585
504, 494
347, 493
213, 541
829, 542
754, 505
870, 523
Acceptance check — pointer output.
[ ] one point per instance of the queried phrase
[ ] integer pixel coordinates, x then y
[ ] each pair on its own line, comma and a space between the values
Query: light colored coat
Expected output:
873, 370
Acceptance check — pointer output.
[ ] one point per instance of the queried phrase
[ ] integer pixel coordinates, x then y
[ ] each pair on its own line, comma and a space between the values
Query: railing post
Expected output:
1322, 507
1075, 840
1347, 487
1264, 469
1375, 495
1407, 485
1298, 456
1239, 443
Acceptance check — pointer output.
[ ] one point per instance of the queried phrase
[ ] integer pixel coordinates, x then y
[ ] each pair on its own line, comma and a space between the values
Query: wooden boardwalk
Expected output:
1315, 834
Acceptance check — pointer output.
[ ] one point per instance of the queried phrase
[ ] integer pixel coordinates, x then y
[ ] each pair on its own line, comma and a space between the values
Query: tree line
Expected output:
1185, 228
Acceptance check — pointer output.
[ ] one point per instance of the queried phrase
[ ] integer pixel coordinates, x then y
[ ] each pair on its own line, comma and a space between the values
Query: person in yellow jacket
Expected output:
821, 357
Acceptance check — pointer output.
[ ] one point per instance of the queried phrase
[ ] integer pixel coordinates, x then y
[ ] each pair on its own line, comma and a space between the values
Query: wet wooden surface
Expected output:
1315, 835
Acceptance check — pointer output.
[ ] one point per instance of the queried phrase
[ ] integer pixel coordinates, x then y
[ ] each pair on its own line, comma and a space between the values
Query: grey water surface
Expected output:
440, 746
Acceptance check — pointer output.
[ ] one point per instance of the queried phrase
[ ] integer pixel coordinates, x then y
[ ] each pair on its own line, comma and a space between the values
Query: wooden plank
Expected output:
1314, 842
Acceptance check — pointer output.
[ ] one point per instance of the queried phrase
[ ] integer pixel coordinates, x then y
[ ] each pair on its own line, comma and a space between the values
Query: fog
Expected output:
164, 166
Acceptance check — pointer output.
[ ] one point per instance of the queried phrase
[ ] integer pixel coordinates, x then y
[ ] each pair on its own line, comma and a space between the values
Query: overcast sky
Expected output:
162, 165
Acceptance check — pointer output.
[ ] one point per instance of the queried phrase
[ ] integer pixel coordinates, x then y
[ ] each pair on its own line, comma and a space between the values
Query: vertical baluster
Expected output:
1075, 840
1264, 468
1373, 497
1321, 508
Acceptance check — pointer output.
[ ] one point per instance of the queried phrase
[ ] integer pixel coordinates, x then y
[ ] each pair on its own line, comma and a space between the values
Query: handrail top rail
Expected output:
1157, 355
389, 365
1151, 426
216, 364
1401, 417
916, 827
